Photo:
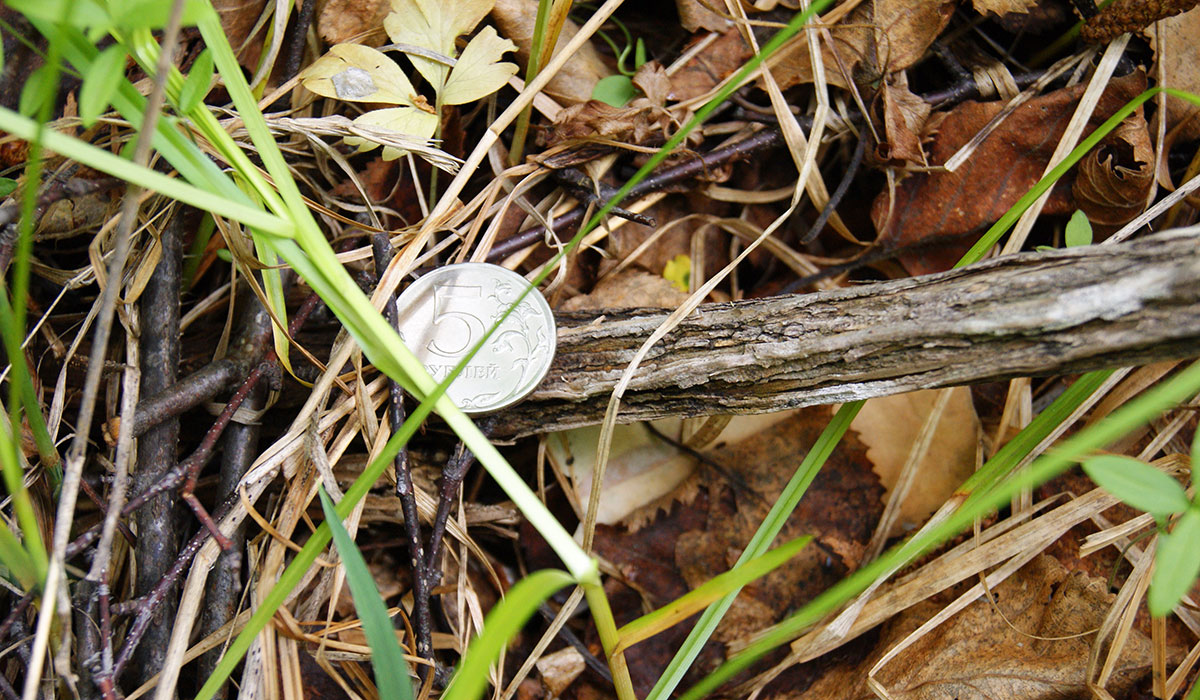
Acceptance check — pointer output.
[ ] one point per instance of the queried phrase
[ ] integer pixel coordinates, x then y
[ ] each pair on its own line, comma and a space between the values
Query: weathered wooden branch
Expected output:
1023, 315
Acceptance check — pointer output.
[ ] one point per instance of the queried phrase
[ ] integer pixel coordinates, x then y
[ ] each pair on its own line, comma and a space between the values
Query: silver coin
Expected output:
445, 313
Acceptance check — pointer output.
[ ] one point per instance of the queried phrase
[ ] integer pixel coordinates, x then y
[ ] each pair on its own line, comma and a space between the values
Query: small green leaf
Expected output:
501, 625
36, 92
1137, 484
1079, 230
1176, 564
639, 54
199, 78
391, 670
678, 271
7, 186
615, 90
100, 83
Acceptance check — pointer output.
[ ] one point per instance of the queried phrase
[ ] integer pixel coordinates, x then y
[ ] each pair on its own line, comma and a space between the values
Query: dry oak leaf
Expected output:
695, 15
238, 18
1178, 56
706, 69
574, 82
1115, 179
343, 21
706, 536
877, 38
927, 206
977, 655
1003, 7
840, 509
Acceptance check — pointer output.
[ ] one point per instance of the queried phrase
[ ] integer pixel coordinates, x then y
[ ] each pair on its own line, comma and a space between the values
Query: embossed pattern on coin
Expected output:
447, 311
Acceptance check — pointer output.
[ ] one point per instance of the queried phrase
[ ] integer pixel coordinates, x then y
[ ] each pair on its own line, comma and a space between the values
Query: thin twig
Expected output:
381, 248
758, 141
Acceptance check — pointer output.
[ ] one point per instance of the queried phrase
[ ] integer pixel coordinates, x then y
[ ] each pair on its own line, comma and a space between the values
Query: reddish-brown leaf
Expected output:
950, 205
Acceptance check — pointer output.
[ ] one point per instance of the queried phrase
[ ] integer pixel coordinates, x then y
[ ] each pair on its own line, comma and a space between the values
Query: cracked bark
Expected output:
1023, 315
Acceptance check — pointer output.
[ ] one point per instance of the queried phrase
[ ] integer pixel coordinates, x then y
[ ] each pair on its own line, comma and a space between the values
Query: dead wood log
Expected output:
1024, 315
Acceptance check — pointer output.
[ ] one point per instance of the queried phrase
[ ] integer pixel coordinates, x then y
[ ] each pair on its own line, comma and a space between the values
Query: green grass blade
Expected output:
100, 83
146, 178
16, 559
1019, 447
195, 86
501, 625
11, 469
693, 602
387, 660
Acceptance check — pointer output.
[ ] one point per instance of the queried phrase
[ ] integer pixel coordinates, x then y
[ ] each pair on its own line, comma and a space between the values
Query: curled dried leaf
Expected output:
904, 118
594, 119
1114, 180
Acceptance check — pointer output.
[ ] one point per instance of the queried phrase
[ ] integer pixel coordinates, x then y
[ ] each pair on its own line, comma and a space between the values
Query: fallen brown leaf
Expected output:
695, 15
977, 654
596, 120
698, 541
238, 18
877, 38
341, 21
904, 117
1178, 55
949, 205
1003, 7
707, 68
1115, 179
890, 425
572, 84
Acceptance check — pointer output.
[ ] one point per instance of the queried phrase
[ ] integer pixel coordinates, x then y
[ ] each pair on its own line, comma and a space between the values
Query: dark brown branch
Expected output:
1030, 314
422, 618
159, 524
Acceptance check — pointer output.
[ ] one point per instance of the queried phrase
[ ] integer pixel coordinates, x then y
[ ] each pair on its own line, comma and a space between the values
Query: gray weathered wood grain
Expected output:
1029, 314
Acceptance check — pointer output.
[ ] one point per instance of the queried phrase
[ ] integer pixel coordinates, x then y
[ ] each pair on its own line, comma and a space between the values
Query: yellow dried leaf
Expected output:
406, 120
357, 73
479, 71
434, 25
